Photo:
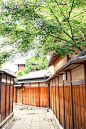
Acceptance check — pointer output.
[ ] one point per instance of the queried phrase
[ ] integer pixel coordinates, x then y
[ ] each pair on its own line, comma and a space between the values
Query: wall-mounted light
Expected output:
65, 76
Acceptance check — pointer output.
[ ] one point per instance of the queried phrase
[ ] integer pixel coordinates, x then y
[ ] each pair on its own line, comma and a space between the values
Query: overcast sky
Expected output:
12, 66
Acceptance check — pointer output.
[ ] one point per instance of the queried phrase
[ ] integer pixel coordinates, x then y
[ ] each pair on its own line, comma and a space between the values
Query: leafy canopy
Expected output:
42, 26
33, 64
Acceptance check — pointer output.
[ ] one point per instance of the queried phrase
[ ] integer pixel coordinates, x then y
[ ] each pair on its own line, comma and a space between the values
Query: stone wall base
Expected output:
7, 119
55, 119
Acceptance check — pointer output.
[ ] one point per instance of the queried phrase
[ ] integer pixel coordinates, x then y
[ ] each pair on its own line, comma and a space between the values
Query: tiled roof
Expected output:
29, 81
36, 74
20, 62
7, 73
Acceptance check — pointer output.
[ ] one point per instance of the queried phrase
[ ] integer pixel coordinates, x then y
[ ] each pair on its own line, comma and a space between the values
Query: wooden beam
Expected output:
39, 92
0, 96
72, 117
85, 90
30, 94
12, 94
9, 95
49, 94
53, 97
55, 100
5, 94
59, 98
63, 107
22, 94
15, 94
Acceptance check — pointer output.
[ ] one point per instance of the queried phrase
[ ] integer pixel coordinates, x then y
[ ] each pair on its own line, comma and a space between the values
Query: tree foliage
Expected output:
56, 25
33, 64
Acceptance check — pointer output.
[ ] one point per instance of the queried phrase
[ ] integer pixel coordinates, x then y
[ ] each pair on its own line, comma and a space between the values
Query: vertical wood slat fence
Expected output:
70, 100
6, 99
34, 96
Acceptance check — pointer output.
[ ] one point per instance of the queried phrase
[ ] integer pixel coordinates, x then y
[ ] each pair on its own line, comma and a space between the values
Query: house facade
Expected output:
31, 89
6, 97
21, 65
68, 90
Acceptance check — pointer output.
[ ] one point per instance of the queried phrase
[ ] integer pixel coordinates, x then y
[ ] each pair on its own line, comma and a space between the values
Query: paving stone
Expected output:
32, 118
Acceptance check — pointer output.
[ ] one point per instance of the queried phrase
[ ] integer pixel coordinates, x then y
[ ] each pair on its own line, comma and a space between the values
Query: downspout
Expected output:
49, 94
48, 90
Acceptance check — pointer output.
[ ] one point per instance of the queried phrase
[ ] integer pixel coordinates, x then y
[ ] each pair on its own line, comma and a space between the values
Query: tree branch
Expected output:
72, 38
71, 8
66, 19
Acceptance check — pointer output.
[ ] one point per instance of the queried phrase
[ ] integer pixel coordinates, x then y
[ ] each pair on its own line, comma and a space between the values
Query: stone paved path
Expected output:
27, 117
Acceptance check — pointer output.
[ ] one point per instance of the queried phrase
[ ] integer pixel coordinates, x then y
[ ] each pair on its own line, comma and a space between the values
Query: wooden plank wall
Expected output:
2, 102
11, 99
44, 97
33, 94
63, 109
6, 101
26, 96
14, 96
19, 94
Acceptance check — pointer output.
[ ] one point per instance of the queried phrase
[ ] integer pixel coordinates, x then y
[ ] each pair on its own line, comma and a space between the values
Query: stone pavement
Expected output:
28, 117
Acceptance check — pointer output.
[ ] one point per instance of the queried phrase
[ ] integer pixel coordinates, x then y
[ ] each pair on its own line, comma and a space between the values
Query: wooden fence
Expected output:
6, 99
67, 102
32, 95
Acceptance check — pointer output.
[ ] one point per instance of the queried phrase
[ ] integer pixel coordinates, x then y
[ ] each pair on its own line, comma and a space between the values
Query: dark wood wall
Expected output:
6, 106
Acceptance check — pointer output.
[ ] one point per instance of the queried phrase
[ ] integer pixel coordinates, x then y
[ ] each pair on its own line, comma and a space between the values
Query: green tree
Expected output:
19, 74
56, 25
33, 64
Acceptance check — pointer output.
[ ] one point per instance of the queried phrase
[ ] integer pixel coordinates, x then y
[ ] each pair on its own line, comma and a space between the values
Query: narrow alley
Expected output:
29, 117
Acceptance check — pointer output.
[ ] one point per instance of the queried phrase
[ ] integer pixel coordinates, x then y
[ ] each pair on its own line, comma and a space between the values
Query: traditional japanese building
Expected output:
6, 97
32, 89
68, 90
21, 65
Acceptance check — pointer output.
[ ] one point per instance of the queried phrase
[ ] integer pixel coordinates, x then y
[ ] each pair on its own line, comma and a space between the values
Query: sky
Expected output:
11, 65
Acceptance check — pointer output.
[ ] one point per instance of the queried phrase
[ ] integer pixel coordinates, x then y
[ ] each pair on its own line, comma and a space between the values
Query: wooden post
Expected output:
12, 93
85, 91
0, 97
22, 94
53, 96
59, 98
55, 100
9, 95
30, 94
5, 94
39, 92
63, 107
49, 95
72, 117
15, 94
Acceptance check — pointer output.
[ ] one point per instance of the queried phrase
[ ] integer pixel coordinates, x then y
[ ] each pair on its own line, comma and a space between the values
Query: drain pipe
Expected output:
49, 94
48, 90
